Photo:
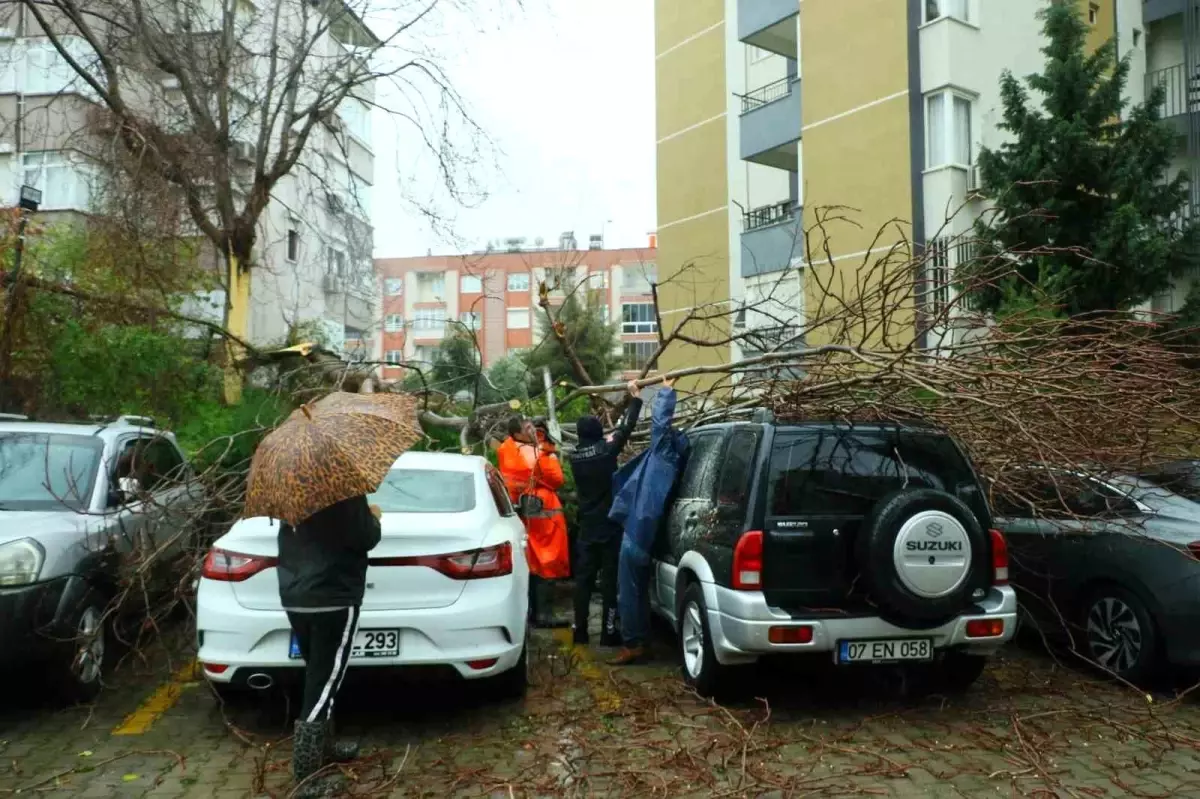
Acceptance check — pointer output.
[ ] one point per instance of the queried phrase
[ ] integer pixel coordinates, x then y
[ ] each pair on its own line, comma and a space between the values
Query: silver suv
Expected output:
862, 544
85, 510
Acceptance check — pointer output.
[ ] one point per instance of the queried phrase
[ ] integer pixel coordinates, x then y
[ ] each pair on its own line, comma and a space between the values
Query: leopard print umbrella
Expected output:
339, 447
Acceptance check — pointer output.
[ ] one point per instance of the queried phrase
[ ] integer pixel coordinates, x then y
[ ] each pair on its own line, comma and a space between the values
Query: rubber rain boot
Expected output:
308, 757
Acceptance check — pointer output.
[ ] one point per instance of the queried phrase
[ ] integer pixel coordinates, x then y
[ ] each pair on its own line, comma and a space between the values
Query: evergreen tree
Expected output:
1085, 199
594, 340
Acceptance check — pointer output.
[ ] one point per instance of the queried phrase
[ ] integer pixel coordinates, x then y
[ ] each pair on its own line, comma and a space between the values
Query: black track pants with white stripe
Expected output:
325, 642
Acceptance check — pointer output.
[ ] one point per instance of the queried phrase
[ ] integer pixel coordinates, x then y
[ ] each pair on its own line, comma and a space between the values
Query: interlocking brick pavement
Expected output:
1030, 727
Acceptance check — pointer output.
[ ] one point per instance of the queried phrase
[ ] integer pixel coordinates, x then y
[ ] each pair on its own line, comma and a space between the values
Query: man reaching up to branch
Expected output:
594, 463
642, 488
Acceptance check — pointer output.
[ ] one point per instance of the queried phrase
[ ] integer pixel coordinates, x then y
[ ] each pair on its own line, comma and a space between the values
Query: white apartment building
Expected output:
313, 254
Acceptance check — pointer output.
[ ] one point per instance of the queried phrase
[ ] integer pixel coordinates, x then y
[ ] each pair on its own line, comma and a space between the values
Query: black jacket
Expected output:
323, 561
594, 464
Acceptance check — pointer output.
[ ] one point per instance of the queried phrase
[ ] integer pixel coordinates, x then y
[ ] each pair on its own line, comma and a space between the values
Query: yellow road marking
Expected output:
607, 700
159, 702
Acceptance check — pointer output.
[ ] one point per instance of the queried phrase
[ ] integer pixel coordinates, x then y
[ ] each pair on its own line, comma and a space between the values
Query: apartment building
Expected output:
879, 107
313, 255
495, 294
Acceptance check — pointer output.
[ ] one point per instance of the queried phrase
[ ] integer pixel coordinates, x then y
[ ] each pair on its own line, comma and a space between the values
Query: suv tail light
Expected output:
999, 558
473, 564
234, 567
748, 561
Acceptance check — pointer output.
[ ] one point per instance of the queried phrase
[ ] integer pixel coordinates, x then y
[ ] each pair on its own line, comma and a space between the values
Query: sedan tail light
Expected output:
234, 567
1194, 549
473, 564
999, 558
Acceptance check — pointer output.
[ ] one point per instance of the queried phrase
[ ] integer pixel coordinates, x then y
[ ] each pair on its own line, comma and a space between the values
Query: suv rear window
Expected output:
845, 472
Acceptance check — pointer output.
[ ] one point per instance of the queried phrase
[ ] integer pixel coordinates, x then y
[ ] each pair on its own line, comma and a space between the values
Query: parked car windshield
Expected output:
425, 491
40, 471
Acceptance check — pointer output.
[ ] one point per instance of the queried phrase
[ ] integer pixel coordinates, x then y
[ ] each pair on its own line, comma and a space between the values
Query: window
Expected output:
638, 318
758, 54
469, 319
636, 278
1093, 13
394, 286
65, 183
425, 491
517, 318
598, 281
356, 116
337, 262
499, 493
937, 277
429, 319
948, 130
937, 9
393, 323
293, 245
394, 357
703, 462
518, 281
471, 284
164, 464
47, 72
638, 354
737, 469
425, 354
431, 286
846, 472
47, 472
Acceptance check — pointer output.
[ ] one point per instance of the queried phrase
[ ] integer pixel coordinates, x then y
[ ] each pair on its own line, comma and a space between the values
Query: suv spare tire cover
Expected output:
922, 554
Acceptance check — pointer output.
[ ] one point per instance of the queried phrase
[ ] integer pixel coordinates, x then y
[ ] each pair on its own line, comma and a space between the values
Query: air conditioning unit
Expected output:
334, 284
974, 183
244, 152
334, 203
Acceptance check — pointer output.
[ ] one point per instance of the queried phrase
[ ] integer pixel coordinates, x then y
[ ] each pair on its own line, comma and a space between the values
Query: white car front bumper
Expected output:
487, 622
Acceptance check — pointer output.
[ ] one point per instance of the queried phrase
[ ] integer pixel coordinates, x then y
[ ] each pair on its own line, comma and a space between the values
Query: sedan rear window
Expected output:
425, 491
40, 471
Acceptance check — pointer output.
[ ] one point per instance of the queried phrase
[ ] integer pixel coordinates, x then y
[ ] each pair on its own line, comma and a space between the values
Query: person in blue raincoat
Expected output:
640, 493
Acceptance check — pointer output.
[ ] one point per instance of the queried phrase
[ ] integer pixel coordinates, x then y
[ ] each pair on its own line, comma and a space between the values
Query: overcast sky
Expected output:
564, 90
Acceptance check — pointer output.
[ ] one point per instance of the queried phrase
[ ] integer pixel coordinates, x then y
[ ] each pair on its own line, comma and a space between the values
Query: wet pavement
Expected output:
1030, 727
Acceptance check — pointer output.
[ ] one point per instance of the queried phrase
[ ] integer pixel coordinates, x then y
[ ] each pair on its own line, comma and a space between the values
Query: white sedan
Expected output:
446, 586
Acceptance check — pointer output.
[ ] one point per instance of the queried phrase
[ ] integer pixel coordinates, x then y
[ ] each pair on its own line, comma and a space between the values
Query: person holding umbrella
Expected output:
314, 473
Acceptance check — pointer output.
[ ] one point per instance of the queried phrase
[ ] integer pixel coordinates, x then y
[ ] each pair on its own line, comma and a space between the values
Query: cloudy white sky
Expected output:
564, 89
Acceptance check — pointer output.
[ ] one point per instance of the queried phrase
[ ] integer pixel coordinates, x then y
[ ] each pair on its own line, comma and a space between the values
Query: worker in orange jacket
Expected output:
530, 468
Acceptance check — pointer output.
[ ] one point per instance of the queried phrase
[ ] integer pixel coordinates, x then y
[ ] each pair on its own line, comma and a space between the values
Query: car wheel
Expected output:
82, 673
514, 683
700, 667
1119, 634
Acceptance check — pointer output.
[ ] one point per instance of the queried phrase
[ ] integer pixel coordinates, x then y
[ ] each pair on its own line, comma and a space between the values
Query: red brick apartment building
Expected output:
494, 293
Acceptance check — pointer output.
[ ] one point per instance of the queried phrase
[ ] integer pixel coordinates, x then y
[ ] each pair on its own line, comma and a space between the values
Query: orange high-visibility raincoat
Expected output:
529, 469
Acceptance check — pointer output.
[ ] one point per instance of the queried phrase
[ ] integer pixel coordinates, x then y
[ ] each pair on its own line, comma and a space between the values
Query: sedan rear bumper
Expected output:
481, 635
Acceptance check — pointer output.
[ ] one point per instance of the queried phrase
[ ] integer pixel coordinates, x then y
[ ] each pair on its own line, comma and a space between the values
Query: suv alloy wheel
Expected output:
700, 667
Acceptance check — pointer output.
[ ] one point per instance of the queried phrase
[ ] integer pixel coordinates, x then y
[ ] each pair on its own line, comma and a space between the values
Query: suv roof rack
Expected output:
125, 420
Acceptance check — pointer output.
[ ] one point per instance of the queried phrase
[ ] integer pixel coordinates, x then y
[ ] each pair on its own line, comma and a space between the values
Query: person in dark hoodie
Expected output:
594, 462
322, 578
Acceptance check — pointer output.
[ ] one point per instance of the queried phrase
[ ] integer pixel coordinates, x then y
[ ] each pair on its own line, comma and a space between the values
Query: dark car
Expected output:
865, 544
1107, 564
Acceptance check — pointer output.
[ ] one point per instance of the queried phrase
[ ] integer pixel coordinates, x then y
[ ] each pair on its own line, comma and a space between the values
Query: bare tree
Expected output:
223, 101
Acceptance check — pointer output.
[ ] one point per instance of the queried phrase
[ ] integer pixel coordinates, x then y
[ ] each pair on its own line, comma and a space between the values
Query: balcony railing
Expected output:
1182, 94
767, 215
768, 94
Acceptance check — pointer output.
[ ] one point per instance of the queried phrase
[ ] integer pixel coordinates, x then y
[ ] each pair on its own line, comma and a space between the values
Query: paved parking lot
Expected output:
1030, 728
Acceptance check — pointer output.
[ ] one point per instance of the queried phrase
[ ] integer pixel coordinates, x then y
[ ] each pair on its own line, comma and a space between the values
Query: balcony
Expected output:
1153, 10
1182, 94
770, 25
770, 124
772, 238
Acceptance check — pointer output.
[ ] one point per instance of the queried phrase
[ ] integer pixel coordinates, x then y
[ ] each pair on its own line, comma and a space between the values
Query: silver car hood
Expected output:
65, 535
